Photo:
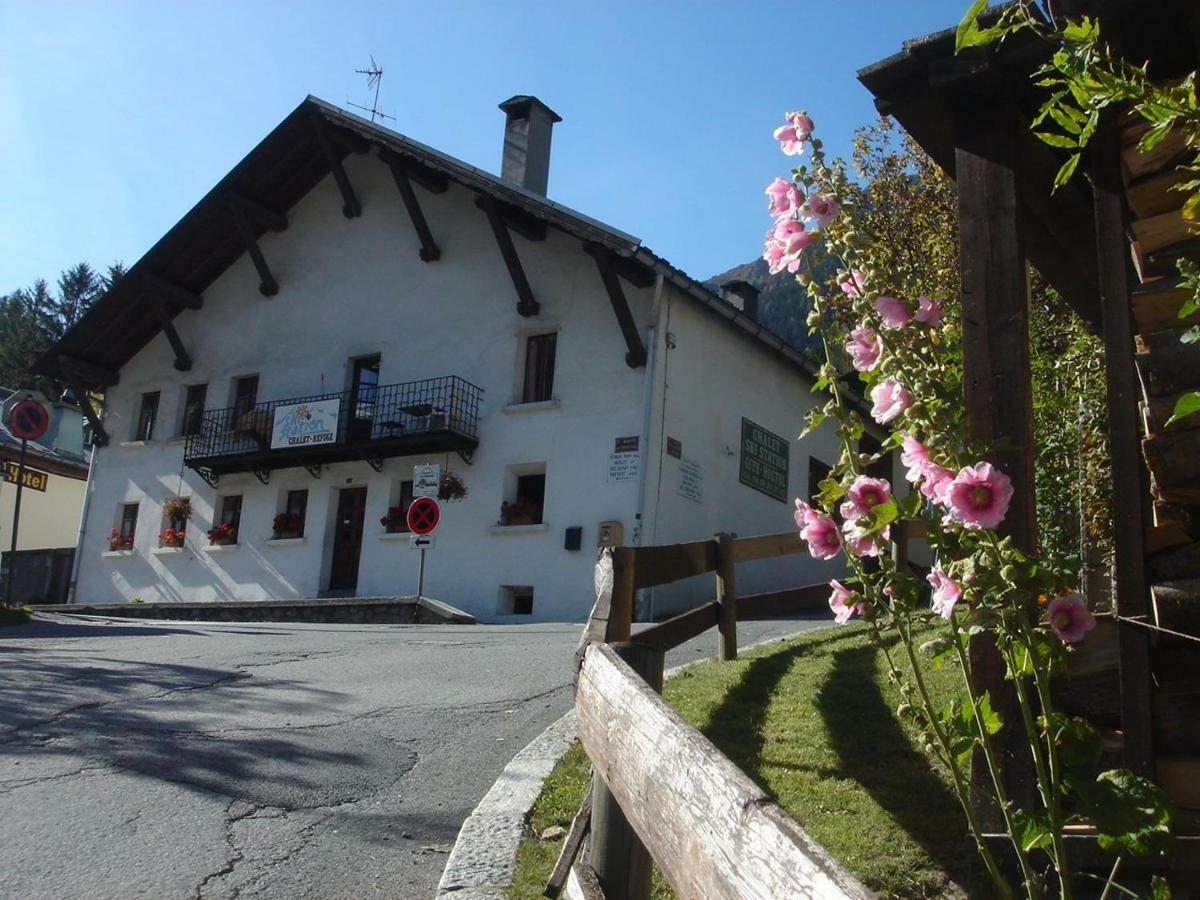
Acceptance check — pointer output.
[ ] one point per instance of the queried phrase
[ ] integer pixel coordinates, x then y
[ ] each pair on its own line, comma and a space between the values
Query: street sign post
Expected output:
424, 513
27, 418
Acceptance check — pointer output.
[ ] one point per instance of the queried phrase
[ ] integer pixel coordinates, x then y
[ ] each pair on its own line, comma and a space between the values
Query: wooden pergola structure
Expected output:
1107, 241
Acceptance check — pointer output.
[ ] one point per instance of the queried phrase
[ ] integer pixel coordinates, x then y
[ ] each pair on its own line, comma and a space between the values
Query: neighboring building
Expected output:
346, 304
56, 471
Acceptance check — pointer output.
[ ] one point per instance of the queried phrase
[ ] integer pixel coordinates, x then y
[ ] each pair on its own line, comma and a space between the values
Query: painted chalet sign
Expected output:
306, 424
764, 461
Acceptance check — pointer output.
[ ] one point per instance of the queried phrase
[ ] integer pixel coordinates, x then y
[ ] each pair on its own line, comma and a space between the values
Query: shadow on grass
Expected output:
871, 747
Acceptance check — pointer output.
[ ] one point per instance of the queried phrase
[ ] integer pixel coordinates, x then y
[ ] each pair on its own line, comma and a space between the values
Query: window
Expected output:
516, 600
129, 514
539, 367
193, 409
290, 521
817, 472
531, 495
245, 394
146, 417
396, 520
364, 388
231, 510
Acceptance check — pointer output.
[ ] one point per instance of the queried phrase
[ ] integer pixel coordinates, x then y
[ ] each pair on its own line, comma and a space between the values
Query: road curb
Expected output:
484, 858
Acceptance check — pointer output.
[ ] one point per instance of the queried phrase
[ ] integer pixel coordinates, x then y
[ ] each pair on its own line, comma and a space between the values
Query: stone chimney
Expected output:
748, 293
526, 159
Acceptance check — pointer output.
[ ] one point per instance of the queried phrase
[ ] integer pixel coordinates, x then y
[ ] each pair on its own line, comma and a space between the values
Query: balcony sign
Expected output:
306, 424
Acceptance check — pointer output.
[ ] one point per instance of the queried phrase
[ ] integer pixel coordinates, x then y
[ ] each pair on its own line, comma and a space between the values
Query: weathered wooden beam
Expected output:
580, 826
996, 375
526, 305
351, 208
88, 372
183, 361
768, 546
173, 292
431, 179
99, 433
527, 226
727, 599
671, 562
267, 285
679, 629
713, 832
635, 357
632, 271
429, 251
264, 216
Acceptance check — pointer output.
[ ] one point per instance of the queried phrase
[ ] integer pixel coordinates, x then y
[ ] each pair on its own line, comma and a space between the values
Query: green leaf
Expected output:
1154, 136
991, 719
831, 492
968, 29
1191, 208
1159, 888
1185, 406
1032, 829
1065, 121
1056, 140
1066, 171
883, 514
1191, 335
1130, 812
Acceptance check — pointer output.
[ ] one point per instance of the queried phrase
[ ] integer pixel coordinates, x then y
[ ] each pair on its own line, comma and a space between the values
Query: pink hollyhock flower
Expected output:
915, 455
865, 493
839, 603
979, 495
864, 348
783, 198
889, 398
853, 286
820, 532
946, 592
792, 136
929, 311
784, 245
1069, 617
858, 542
821, 209
895, 314
937, 480
804, 513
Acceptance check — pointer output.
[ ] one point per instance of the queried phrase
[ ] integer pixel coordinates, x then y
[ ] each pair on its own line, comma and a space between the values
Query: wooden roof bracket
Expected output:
88, 372
636, 356
351, 208
429, 252
267, 285
183, 362
173, 292
527, 305
99, 434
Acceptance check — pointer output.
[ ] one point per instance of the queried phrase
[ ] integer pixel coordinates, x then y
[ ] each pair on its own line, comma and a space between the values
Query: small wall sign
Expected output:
674, 448
33, 479
691, 480
626, 445
306, 424
764, 463
624, 466
426, 480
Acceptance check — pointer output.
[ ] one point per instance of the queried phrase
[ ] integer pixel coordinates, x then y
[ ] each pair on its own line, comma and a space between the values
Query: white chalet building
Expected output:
347, 304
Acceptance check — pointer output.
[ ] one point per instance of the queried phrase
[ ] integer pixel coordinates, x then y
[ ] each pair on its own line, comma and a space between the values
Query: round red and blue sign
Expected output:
424, 513
28, 420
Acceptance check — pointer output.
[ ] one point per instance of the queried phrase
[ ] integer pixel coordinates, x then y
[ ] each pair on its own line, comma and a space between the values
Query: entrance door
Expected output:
347, 538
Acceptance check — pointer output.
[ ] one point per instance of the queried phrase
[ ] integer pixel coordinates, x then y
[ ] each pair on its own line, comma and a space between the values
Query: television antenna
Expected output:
374, 79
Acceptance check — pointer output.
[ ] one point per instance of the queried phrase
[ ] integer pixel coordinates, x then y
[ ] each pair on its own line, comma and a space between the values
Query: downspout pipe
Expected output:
83, 514
647, 415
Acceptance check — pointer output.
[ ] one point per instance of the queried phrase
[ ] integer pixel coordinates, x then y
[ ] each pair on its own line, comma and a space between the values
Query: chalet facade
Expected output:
348, 304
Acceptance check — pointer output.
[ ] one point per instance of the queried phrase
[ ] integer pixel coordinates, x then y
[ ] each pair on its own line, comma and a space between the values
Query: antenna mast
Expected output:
374, 80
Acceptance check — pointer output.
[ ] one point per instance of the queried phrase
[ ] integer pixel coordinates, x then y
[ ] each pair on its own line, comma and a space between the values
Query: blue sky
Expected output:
117, 116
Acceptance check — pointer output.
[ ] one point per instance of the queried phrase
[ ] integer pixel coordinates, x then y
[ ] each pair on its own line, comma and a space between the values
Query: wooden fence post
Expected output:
726, 598
900, 537
618, 857
620, 627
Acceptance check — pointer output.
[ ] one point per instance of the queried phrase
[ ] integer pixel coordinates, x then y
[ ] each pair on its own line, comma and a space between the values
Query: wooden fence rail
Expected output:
712, 831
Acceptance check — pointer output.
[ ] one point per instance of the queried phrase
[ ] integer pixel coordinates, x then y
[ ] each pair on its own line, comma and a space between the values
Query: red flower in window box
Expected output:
119, 541
223, 533
171, 537
396, 520
287, 525
521, 512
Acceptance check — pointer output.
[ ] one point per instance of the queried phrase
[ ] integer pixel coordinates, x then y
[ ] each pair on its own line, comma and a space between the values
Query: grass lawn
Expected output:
14, 615
813, 721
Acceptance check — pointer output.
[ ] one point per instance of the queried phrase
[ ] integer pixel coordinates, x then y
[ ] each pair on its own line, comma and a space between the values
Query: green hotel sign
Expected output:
764, 461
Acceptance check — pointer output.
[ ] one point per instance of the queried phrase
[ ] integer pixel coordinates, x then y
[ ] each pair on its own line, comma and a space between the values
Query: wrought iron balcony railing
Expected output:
370, 423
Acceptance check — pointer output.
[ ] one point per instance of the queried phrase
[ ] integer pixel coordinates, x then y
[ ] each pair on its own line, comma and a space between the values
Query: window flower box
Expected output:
520, 512
171, 537
396, 520
287, 526
119, 541
222, 534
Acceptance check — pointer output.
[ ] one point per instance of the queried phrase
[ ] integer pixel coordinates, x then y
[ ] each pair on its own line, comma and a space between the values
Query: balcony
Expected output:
437, 415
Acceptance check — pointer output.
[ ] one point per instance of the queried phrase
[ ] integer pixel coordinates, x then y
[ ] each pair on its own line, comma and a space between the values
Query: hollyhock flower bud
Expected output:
853, 286
821, 210
783, 198
801, 122
866, 493
864, 348
1068, 616
895, 314
915, 455
929, 311
839, 603
889, 399
937, 480
979, 495
946, 592
821, 534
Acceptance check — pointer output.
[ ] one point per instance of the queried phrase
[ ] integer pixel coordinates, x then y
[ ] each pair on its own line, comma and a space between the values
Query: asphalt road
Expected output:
169, 760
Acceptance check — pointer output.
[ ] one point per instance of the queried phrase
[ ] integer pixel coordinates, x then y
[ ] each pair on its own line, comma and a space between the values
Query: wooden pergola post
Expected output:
996, 376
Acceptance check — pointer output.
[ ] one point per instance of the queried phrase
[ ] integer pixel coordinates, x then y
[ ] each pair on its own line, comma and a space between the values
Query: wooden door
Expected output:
347, 538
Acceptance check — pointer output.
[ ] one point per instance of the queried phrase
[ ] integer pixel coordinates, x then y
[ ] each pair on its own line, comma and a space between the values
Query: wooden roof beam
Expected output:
633, 272
168, 291
636, 355
526, 305
527, 226
89, 372
99, 433
256, 212
351, 208
183, 362
429, 252
267, 285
